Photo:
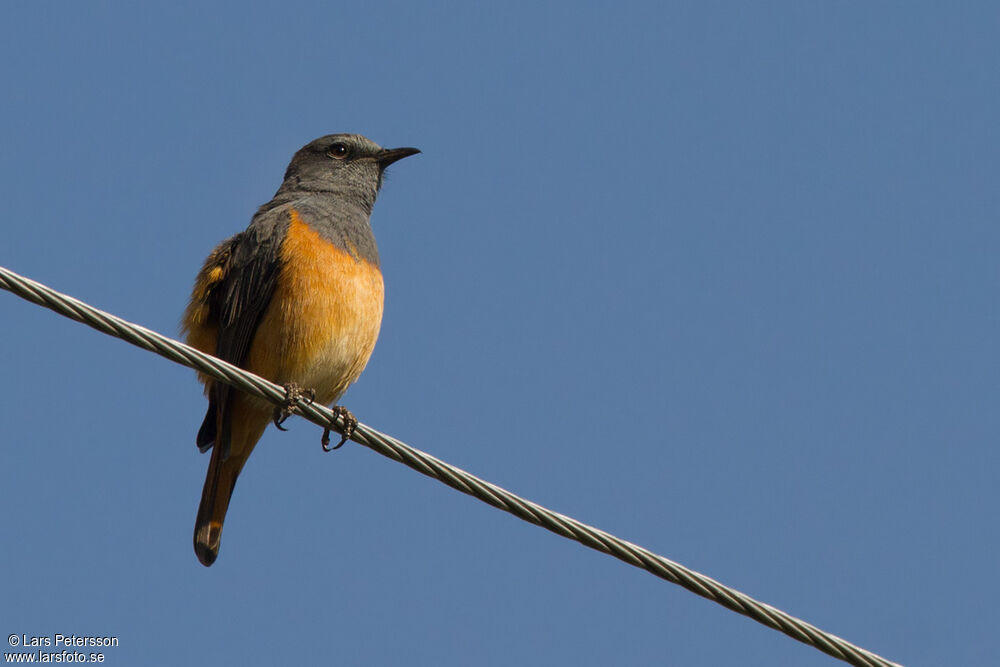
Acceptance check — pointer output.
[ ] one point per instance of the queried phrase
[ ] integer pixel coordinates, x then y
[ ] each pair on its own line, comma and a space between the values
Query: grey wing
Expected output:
238, 301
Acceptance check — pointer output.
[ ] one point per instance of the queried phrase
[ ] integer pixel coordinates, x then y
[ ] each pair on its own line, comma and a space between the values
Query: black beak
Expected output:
390, 155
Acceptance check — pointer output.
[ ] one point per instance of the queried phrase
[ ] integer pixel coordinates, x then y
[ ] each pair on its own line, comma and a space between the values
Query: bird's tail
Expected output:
238, 429
219, 484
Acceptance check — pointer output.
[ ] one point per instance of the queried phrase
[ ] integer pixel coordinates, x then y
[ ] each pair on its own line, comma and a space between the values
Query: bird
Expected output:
296, 298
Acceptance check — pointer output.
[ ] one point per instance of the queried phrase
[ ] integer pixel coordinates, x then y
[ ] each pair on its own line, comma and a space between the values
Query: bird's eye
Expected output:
338, 151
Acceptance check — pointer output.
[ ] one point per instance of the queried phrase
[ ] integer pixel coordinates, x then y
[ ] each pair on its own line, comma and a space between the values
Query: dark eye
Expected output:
338, 151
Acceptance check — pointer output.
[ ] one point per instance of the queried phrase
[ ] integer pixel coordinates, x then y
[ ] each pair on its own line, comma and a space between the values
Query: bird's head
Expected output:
348, 165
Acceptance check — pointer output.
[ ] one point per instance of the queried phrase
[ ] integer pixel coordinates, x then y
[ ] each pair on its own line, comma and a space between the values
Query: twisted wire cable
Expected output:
454, 477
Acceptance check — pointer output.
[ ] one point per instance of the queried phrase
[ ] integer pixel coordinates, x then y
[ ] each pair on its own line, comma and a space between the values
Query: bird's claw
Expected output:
350, 424
293, 394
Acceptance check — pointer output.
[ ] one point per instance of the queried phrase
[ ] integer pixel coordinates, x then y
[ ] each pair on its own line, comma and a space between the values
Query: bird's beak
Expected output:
390, 155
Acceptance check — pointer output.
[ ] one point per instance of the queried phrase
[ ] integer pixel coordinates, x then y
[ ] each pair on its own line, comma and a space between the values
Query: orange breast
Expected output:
324, 317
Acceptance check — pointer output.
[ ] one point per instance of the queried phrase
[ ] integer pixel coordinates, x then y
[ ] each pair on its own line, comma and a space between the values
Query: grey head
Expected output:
348, 166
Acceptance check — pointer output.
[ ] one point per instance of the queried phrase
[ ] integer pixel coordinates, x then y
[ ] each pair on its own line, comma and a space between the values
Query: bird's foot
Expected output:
350, 423
293, 394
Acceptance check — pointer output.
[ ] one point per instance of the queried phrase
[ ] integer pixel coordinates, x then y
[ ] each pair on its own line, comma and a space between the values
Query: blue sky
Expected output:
718, 278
